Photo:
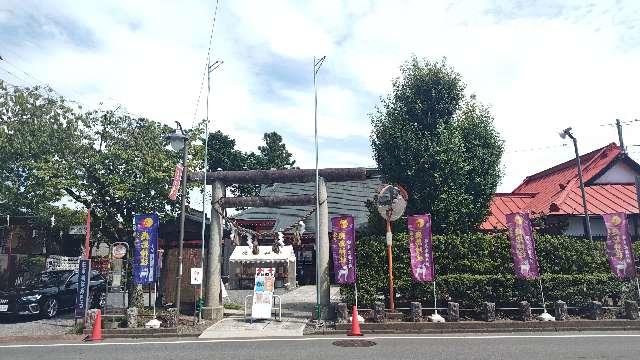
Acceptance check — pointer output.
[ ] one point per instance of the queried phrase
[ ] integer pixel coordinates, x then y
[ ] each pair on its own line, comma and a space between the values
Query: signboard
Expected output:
82, 295
420, 248
145, 250
78, 230
263, 293
343, 249
619, 250
523, 246
119, 250
196, 276
175, 186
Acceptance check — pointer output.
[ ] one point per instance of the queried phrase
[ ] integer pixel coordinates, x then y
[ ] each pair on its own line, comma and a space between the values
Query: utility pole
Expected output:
210, 69
620, 141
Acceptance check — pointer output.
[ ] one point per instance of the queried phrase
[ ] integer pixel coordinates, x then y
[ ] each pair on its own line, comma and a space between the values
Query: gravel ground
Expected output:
36, 326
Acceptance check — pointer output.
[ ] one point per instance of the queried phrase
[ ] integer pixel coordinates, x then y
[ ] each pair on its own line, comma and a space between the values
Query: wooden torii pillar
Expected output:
220, 179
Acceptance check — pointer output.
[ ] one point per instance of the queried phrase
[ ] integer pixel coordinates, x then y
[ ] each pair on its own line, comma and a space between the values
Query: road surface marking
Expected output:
483, 337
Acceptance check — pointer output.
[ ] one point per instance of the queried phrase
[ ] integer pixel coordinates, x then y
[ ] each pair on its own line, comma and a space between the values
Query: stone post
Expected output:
213, 305
631, 309
323, 250
416, 311
561, 310
453, 311
594, 310
132, 317
489, 311
525, 311
171, 320
378, 312
342, 313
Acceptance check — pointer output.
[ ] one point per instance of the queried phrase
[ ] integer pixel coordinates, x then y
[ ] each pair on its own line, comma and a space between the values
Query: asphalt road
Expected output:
622, 345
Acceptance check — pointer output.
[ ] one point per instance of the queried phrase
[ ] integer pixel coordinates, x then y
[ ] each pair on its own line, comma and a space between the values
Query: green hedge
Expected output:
474, 268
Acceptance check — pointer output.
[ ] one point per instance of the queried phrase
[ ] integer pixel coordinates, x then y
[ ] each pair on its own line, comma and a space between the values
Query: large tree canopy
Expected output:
438, 143
53, 153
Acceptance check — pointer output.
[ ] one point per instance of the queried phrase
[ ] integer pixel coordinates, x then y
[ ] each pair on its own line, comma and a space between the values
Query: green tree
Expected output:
439, 144
274, 153
40, 132
224, 155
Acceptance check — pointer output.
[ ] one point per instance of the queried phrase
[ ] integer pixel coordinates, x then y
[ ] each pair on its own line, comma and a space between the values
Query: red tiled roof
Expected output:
503, 204
553, 185
601, 199
556, 190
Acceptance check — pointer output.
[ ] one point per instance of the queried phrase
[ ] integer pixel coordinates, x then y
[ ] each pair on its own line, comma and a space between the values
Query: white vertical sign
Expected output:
263, 293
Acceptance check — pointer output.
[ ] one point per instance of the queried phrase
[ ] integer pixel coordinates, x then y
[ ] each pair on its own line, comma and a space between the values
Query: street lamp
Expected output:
178, 141
563, 134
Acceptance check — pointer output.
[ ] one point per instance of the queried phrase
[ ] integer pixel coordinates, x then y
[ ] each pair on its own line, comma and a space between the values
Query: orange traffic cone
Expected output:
96, 333
355, 324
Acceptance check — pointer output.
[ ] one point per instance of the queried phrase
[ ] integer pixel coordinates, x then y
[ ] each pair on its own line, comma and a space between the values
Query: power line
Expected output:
206, 65
540, 148
628, 122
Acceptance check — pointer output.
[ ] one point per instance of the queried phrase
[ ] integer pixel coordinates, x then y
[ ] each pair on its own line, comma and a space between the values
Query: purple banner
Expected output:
619, 250
523, 246
420, 247
146, 249
343, 245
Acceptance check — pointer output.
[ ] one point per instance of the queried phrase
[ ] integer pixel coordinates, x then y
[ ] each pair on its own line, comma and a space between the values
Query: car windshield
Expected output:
48, 278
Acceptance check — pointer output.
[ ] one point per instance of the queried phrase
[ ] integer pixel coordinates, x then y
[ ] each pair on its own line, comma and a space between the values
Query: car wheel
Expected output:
50, 308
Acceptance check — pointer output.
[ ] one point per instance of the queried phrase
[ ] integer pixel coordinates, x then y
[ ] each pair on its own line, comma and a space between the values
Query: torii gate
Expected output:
220, 179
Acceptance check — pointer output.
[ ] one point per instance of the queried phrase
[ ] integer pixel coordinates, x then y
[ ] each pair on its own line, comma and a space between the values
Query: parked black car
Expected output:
51, 291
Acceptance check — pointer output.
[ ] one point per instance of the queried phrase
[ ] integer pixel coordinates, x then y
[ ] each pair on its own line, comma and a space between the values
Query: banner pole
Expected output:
544, 306
638, 287
155, 295
435, 306
355, 285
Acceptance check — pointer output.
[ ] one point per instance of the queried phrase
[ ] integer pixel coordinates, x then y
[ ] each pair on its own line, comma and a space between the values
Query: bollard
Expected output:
631, 310
172, 318
453, 311
489, 311
378, 312
416, 311
594, 310
132, 317
342, 313
561, 310
525, 311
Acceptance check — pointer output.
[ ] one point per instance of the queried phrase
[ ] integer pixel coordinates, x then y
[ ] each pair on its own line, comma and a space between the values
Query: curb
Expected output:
485, 327
22, 338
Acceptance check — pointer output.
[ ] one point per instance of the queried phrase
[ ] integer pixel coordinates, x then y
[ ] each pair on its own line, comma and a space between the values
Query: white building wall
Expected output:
620, 173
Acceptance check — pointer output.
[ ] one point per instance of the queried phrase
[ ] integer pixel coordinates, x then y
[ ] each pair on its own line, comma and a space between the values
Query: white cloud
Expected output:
540, 66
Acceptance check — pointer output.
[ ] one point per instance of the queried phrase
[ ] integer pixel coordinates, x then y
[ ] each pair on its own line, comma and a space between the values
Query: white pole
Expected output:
155, 295
355, 285
435, 306
638, 287
544, 306
316, 67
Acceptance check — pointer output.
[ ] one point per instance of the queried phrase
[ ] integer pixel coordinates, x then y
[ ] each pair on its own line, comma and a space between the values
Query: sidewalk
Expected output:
297, 308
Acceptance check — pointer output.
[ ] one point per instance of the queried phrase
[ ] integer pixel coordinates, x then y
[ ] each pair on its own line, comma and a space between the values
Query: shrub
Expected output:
473, 268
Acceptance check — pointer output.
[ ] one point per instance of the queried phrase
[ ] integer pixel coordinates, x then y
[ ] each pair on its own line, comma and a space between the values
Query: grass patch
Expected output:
232, 306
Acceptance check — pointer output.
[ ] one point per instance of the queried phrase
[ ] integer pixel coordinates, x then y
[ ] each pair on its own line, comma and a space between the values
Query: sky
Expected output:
541, 66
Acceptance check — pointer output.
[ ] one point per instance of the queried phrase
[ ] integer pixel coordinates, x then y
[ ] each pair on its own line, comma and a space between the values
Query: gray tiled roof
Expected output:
345, 198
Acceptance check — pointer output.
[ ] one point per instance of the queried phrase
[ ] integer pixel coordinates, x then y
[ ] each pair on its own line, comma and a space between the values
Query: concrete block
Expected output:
416, 311
594, 310
342, 313
631, 310
132, 317
489, 311
378, 312
453, 311
561, 310
525, 311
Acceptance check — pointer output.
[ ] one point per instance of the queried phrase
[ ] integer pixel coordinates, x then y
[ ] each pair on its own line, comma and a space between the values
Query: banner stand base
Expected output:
545, 316
436, 318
